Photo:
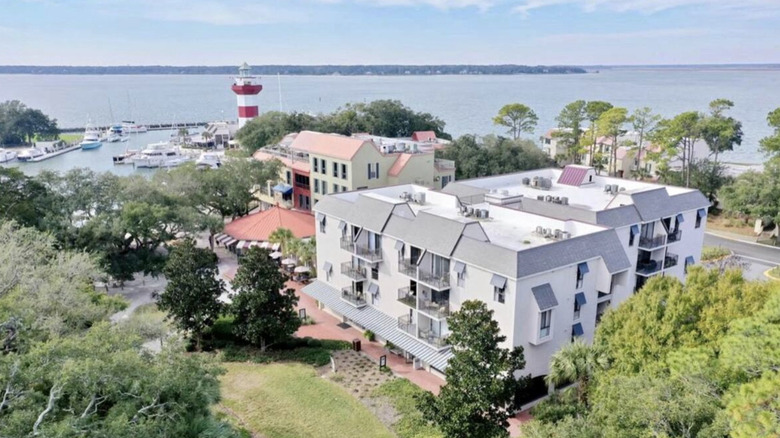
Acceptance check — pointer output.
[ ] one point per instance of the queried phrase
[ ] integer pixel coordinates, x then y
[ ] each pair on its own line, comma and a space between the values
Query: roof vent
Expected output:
607, 188
557, 233
564, 200
419, 198
539, 230
526, 181
565, 235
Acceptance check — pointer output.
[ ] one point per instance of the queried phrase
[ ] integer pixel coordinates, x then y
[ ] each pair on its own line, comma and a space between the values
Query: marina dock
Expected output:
151, 126
71, 148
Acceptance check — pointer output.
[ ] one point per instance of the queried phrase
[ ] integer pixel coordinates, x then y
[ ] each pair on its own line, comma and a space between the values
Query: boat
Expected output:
7, 155
91, 139
114, 134
161, 154
130, 127
208, 160
126, 157
29, 154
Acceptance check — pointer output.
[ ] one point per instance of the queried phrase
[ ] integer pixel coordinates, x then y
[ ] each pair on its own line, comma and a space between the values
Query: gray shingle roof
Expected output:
334, 206
487, 255
544, 296
656, 204
434, 233
397, 226
466, 193
618, 216
370, 213
383, 325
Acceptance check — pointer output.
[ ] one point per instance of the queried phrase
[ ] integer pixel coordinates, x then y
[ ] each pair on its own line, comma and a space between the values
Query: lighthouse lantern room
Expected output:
246, 93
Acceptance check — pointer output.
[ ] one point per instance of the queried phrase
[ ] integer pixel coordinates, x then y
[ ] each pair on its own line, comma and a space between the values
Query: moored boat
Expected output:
7, 155
91, 139
208, 160
29, 154
130, 127
161, 154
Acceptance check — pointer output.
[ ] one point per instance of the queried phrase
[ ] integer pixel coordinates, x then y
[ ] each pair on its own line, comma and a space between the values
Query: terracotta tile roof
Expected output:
424, 136
399, 164
329, 145
258, 226
299, 165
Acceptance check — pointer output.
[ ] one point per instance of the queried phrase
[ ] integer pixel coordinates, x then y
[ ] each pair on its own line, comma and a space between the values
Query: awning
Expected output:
301, 269
289, 261
265, 245
373, 289
689, 260
583, 268
320, 217
459, 267
327, 267
544, 296
243, 244
702, 212
276, 246
680, 218
275, 255
284, 189
399, 245
342, 226
634, 230
229, 241
498, 281
253, 244
579, 297
576, 330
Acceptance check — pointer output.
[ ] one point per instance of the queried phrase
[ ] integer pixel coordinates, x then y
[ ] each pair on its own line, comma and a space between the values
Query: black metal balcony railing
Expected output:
438, 309
439, 282
433, 339
370, 254
649, 267
670, 260
347, 243
675, 236
353, 297
406, 324
406, 296
353, 271
407, 267
652, 242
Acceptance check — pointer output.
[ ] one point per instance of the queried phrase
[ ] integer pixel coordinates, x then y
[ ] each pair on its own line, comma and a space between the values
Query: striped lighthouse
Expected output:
246, 92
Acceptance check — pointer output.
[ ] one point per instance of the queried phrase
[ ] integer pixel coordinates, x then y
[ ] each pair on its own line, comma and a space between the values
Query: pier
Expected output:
70, 148
151, 126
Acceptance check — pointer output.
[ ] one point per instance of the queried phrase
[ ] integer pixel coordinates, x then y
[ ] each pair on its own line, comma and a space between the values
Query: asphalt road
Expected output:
753, 252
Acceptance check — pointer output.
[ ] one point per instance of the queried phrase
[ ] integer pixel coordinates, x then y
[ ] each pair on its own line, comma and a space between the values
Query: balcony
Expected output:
355, 272
407, 325
433, 339
408, 268
406, 296
350, 295
438, 282
670, 260
675, 236
652, 242
439, 309
348, 244
366, 253
649, 267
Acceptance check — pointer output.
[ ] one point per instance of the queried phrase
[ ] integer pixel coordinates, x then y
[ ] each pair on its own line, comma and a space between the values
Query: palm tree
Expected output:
283, 237
207, 136
576, 363
306, 251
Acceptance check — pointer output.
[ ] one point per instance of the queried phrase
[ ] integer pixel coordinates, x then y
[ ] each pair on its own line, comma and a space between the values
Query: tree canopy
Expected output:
20, 124
771, 144
491, 155
755, 194
518, 118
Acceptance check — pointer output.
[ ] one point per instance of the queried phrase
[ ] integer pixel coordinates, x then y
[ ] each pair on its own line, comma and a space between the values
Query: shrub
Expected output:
714, 252
557, 407
368, 334
403, 394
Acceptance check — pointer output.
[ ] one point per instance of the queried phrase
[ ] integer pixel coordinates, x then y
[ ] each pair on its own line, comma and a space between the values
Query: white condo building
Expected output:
548, 250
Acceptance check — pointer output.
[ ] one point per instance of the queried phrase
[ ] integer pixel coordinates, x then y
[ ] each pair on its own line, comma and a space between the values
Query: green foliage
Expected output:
721, 133
771, 144
713, 252
518, 118
676, 137
481, 385
264, 310
611, 124
706, 175
369, 335
569, 427
558, 407
644, 123
315, 352
381, 117
191, 296
752, 409
25, 200
20, 124
570, 128
490, 155
755, 194
578, 363
403, 395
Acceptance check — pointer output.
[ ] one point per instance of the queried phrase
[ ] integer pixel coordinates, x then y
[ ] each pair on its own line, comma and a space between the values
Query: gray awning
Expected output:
579, 297
327, 267
342, 226
498, 281
680, 218
634, 230
459, 267
320, 217
373, 289
399, 245
544, 296
702, 212
583, 268
576, 330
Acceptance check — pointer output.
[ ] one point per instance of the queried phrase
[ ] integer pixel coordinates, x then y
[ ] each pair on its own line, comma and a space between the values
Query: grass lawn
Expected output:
775, 273
71, 138
401, 393
289, 400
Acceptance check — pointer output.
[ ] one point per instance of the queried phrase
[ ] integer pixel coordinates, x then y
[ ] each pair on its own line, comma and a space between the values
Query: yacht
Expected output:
161, 154
130, 127
126, 157
30, 154
91, 139
7, 155
208, 160
114, 134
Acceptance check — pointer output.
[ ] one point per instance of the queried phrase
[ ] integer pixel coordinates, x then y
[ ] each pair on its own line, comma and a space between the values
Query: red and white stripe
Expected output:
246, 96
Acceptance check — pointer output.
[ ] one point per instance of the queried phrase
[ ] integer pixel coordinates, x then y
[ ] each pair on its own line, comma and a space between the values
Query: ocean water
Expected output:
465, 103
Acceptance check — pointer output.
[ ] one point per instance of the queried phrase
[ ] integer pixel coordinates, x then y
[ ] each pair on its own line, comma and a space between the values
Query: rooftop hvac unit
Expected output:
565, 235
413, 148
607, 188
526, 181
539, 230
564, 200
493, 191
469, 211
481, 213
404, 195
615, 188
540, 197
535, 182
548, 198
485, 213
558, 233
505, 192
419, 198
547, 232
622, 189
463, 208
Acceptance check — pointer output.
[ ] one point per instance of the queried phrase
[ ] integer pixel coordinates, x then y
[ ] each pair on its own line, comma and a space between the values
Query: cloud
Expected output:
745, 8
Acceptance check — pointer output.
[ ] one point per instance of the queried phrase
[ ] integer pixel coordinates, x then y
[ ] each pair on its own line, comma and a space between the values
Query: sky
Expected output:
315, 32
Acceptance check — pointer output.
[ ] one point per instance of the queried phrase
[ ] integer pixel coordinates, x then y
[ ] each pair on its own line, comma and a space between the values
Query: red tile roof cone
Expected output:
246, 92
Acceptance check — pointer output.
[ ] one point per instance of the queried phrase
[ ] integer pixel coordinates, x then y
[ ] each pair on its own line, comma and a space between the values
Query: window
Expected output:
634, 231
316, 185
370, 174
579, 301
688, 262
335, 169
582, 269
321, 220
343, 171
461, 279
699, 215
335, 188
289, 177
577, 309
316, 164
376, 171
545, 321
302, 181
343, 188
499, 293
373, 171
323, 166
374, 273
324, 187
576, 331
